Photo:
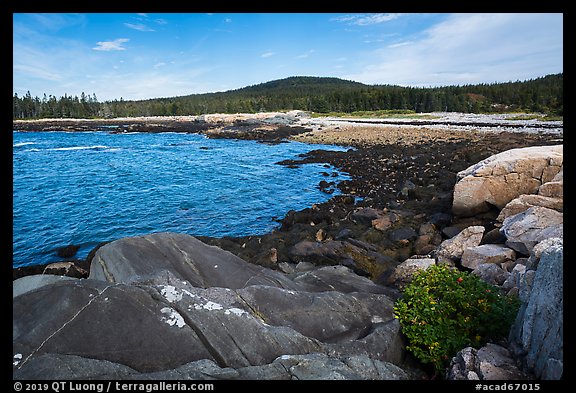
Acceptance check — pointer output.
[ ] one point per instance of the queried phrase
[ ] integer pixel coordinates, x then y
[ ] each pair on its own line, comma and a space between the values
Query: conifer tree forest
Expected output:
314, 94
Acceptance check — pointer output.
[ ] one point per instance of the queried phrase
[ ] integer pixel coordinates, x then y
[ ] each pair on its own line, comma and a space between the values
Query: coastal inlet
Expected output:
89, 187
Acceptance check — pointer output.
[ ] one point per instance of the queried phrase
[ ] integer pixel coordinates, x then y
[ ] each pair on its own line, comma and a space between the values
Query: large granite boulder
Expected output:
526, 201
500, 178
526, 229
537, 336
157, 311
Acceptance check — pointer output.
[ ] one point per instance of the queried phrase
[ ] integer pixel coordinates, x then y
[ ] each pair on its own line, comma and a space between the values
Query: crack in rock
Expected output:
63, 326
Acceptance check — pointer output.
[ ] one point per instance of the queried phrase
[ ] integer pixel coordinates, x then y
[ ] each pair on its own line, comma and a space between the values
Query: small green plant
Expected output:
444, 310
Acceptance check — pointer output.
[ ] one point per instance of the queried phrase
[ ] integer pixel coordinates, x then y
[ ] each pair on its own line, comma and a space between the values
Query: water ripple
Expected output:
85, 188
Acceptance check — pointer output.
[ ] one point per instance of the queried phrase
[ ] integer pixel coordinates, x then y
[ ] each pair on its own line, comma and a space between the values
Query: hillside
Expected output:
316, 94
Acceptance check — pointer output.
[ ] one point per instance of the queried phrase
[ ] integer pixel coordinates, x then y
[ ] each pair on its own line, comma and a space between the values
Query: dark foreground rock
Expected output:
150, 310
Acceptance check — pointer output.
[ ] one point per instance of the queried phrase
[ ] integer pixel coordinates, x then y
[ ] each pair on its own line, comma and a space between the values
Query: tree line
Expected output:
314, 94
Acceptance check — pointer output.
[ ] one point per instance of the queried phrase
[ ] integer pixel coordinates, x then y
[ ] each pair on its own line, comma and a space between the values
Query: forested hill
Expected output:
316, 94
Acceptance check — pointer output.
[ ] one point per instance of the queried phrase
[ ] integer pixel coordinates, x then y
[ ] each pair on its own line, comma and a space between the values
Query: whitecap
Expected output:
95, 147
20, 144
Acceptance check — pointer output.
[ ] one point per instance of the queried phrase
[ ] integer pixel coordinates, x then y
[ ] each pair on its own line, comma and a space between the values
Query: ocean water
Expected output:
89, 187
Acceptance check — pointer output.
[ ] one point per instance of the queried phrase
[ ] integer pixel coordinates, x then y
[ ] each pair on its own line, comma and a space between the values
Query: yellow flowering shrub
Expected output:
444, 310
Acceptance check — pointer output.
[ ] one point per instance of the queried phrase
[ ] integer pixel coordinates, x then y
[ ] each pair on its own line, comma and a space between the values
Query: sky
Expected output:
141, 56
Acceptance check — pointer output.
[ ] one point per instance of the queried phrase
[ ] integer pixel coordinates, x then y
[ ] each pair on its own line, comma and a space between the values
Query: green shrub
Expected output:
444, 310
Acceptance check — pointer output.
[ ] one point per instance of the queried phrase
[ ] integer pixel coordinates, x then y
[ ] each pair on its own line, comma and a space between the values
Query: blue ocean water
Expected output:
89, 187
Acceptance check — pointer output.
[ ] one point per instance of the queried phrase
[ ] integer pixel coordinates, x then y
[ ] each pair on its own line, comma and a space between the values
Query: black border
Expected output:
8, 7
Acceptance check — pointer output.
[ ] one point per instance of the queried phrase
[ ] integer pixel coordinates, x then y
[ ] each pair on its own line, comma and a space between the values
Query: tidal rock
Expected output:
404, 233
52, 366
491, 362
349, 315
384, 222
354, 254
366, 215
450, 251
102, 321
451, 231
524, 230
486, 253
424, 244
491, 273
404, 272
69, 269
68, 251
500, 178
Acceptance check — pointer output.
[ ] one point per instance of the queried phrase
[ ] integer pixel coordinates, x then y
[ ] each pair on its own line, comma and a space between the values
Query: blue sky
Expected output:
139, 56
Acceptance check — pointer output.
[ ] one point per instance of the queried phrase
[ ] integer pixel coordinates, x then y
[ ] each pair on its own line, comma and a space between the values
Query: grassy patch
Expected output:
379, 114
534, 116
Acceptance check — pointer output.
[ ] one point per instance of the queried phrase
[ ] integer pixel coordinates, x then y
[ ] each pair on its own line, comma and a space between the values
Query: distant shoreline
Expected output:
268, 121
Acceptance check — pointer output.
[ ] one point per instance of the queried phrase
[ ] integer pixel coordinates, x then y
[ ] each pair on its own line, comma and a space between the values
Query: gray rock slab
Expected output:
52, 366
329, 316
94, 319
339, 278
134, 258
30, 283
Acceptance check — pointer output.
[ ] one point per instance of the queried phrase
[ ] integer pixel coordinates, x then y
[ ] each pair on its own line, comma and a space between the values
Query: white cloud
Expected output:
160, 64
471, 48
267, 54
367, 19
306, 54
36, 72
399, 44
144, 85
138, 26
111, 45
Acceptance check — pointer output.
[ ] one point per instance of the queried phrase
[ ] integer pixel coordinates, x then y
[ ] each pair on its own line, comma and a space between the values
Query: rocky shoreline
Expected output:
396, 210
408, 170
